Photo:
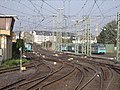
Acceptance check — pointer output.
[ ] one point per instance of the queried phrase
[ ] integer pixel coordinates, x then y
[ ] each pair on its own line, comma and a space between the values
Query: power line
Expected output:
44, 8
14, 10
36, 9
50, 5
99, 8
82, 7
24, 5
57, 0
112, 9
91, 9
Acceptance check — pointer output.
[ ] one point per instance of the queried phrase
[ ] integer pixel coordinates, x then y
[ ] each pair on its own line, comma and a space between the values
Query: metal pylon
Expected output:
59, 32
76, 38
66, 33
88, 38
53, 32
84, 45
57, 41
118, 37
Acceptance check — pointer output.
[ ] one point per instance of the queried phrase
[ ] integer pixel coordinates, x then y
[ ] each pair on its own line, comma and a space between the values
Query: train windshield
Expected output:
101, 48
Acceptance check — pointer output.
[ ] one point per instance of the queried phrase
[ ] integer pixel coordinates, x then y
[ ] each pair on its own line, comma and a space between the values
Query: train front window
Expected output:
101, 48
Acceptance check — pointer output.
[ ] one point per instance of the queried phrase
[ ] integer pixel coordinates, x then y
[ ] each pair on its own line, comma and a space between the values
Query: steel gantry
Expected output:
86, 43
53, 32
118, 37
88, 38
66, 33
76, 37
59, 31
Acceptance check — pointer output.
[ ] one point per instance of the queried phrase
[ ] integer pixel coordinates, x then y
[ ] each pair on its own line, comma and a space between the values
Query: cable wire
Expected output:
14, 10
82, 7
99, 9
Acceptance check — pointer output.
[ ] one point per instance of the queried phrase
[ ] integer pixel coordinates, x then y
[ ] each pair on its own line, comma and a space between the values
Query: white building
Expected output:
43, 36
80, 40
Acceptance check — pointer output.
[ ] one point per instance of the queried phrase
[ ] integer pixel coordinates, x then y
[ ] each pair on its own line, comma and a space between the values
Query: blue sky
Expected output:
31, 13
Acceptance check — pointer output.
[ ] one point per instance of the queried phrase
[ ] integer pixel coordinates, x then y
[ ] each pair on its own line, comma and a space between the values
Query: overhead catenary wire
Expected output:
18, 12
15, 10
45, 8
101, 4
99, 9
25, 6
111, 9
82, 8
56, 0
50, 5
37, 10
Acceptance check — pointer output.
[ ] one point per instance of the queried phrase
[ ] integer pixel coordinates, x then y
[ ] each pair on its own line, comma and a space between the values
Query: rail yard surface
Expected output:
49, 70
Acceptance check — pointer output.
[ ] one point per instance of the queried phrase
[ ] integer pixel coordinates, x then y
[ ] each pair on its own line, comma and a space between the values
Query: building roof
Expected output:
7, 16
46, 33
49, 33
6, 22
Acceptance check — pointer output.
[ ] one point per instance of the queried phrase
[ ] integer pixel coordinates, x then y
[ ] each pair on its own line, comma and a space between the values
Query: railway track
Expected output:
34, 65
64, 71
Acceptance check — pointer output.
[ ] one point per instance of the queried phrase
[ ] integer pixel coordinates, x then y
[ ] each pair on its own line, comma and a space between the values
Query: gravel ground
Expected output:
11, 77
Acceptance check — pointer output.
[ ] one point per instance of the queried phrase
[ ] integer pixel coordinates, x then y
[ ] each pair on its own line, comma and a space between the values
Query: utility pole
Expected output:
20, 49
118, 37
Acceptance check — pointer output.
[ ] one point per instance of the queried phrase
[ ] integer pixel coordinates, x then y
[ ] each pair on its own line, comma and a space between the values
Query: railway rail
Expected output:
66, 71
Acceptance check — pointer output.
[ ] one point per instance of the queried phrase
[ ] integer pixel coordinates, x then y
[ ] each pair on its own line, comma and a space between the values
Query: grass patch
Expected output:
13, 63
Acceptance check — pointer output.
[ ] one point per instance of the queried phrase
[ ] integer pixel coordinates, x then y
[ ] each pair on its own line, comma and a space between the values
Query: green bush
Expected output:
10, 63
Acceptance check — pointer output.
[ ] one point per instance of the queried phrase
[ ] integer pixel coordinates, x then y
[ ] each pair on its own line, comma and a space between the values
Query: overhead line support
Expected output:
118, 37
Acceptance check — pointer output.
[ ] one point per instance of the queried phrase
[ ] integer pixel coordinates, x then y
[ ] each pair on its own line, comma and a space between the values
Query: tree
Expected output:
108, 34
19, 43
15, 48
